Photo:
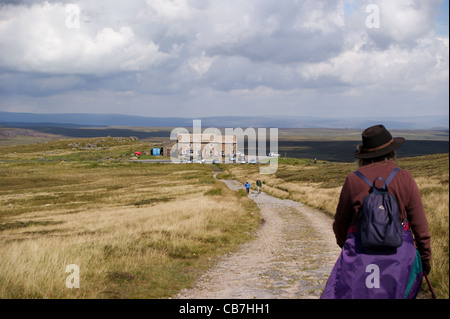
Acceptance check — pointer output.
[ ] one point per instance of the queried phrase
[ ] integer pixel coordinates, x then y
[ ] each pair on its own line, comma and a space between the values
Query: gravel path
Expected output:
291, 257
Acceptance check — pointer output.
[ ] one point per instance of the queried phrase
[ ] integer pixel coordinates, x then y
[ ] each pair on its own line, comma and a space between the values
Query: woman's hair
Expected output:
390, 156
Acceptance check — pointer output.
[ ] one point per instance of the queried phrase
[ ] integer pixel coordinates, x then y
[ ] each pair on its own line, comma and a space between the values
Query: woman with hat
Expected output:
361, 273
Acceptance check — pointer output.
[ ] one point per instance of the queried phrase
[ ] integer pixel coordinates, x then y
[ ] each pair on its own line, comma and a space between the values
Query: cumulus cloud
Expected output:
42, 38
293, 53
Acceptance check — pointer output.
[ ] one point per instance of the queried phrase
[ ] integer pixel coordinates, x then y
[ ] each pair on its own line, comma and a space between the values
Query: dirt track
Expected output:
291, 256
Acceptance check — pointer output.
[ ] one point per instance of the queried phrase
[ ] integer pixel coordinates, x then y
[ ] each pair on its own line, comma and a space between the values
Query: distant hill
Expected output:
83, 119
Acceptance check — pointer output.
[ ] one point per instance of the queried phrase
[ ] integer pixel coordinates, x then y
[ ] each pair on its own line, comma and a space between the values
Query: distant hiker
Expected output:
247, 187
393, 272
258, 185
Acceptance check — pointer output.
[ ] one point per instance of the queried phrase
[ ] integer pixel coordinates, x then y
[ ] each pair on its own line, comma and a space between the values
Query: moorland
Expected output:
148, 230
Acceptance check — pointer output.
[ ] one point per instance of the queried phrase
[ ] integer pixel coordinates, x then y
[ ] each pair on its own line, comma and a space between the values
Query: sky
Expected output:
199, 58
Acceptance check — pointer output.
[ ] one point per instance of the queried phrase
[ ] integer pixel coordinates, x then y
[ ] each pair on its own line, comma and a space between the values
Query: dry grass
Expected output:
435, 197
147, 230
135, 230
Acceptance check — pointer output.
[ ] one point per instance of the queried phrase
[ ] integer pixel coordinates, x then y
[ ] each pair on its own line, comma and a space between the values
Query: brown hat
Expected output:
376, 142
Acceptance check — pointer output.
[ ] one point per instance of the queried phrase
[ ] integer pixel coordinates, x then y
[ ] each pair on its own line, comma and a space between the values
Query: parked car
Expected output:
273, 154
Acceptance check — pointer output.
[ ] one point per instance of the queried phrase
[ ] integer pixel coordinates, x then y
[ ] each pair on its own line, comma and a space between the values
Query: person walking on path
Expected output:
259, 185
247, 187
387, 273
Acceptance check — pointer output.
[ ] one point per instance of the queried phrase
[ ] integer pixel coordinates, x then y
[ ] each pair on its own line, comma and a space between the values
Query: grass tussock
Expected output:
214, 192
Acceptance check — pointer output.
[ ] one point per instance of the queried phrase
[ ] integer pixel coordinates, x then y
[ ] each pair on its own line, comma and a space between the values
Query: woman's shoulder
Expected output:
382, 169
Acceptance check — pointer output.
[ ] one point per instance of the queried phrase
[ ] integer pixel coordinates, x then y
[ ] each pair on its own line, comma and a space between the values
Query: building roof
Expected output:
206, 138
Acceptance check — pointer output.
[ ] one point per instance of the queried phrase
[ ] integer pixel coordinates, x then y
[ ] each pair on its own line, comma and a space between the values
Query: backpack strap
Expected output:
392, 175
368, 182
364, 178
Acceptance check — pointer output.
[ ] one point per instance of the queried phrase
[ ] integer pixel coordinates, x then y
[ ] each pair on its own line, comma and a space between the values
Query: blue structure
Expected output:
156, 151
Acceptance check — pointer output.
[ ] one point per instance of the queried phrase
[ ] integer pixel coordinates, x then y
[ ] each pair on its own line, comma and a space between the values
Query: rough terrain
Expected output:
291, 256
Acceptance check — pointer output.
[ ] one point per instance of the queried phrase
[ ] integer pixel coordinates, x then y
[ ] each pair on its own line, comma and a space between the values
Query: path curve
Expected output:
291, 256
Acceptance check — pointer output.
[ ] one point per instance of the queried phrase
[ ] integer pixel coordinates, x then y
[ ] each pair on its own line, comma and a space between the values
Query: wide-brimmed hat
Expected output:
376, 142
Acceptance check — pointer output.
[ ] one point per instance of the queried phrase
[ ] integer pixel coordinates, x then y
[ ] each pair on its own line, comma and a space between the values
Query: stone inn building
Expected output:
201, 145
